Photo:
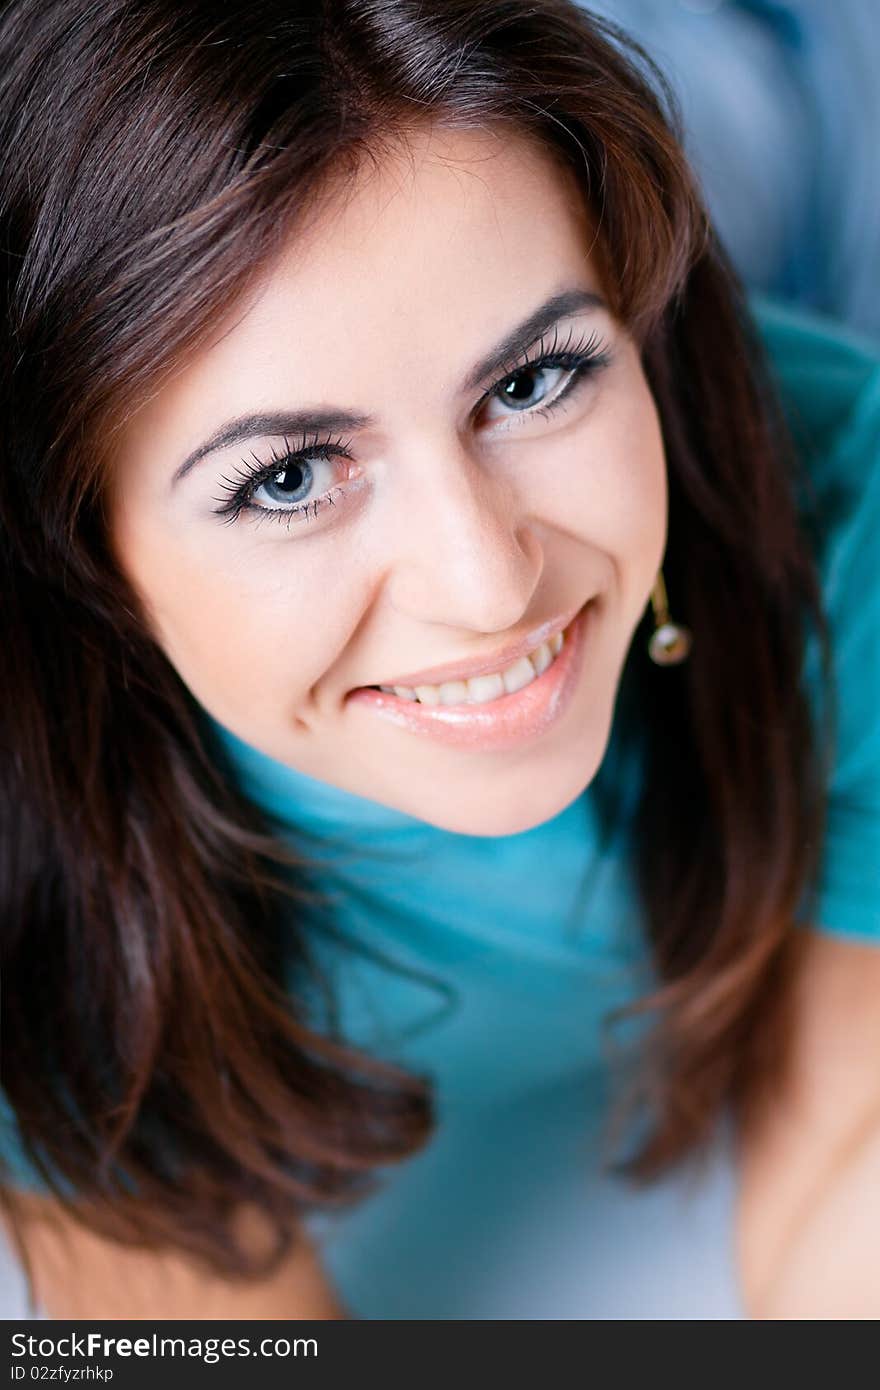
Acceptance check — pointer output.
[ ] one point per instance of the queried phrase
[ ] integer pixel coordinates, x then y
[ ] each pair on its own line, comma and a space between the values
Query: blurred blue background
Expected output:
781, 105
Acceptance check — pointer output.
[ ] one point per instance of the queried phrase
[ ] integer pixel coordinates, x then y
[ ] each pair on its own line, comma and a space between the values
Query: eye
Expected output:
297, 483
536, 386
294, 484
293, 481
532, 386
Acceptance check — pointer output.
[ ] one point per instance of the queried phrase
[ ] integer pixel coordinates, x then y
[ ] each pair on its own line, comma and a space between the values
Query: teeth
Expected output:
483, 688
519, 675
428, 694
450, 692
542, 658
479, 689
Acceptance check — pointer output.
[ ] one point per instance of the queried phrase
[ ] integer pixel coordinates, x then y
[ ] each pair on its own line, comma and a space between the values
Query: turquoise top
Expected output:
505, 953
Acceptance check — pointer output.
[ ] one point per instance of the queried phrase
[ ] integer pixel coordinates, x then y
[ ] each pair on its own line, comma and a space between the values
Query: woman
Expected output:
357, 351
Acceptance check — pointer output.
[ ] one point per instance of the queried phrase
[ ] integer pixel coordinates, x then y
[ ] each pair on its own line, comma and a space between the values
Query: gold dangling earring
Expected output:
670, 643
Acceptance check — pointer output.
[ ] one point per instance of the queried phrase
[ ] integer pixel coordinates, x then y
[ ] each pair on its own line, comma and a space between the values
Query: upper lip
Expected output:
485, 665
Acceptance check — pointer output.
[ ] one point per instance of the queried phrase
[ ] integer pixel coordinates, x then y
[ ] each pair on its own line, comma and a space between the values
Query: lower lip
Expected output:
502, 723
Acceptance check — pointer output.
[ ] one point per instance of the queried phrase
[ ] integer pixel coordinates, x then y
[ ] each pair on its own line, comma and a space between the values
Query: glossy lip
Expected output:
502, 723
484, 666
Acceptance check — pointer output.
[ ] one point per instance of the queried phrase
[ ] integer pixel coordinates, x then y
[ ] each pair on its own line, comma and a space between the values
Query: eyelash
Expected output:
581, 358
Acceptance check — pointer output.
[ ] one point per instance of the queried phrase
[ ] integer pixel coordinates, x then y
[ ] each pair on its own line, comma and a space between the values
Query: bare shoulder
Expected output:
808, 1218
79, 1274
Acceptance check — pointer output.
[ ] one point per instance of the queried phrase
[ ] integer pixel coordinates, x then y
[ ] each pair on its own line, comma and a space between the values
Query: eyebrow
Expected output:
330, 419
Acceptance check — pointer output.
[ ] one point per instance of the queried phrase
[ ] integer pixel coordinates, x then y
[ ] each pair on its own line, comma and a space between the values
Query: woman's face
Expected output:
446, 501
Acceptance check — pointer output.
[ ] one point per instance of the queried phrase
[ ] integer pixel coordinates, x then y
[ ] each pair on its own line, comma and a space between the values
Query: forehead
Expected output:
399, 279
441, 219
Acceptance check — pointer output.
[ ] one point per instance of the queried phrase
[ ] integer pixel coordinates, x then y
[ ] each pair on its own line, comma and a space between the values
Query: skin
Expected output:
807, 1222
78, 1274
467, 524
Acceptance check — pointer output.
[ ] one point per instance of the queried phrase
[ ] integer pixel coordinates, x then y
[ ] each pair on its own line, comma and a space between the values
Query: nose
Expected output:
465, 553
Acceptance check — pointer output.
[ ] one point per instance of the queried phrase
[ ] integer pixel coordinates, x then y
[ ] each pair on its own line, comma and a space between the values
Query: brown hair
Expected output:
156, 153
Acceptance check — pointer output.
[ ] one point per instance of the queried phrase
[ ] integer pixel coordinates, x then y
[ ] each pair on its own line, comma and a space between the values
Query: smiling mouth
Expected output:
504, 718
479, 690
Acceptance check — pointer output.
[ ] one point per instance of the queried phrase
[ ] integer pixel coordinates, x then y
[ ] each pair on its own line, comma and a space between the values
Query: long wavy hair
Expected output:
156, 155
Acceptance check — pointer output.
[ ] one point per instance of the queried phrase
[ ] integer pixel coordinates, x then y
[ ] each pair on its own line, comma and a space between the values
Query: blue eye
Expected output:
289, 477
533, 387
538, 384
533, 376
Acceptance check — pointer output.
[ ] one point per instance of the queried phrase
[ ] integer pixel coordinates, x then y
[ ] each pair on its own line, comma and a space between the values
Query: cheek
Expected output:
236, 619
636, 482
606, 482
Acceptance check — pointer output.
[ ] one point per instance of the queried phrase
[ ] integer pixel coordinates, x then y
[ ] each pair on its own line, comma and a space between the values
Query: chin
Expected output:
510, 815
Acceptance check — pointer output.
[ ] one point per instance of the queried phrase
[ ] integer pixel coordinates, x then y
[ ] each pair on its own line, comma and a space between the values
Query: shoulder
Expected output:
809, 1188
77, 1272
